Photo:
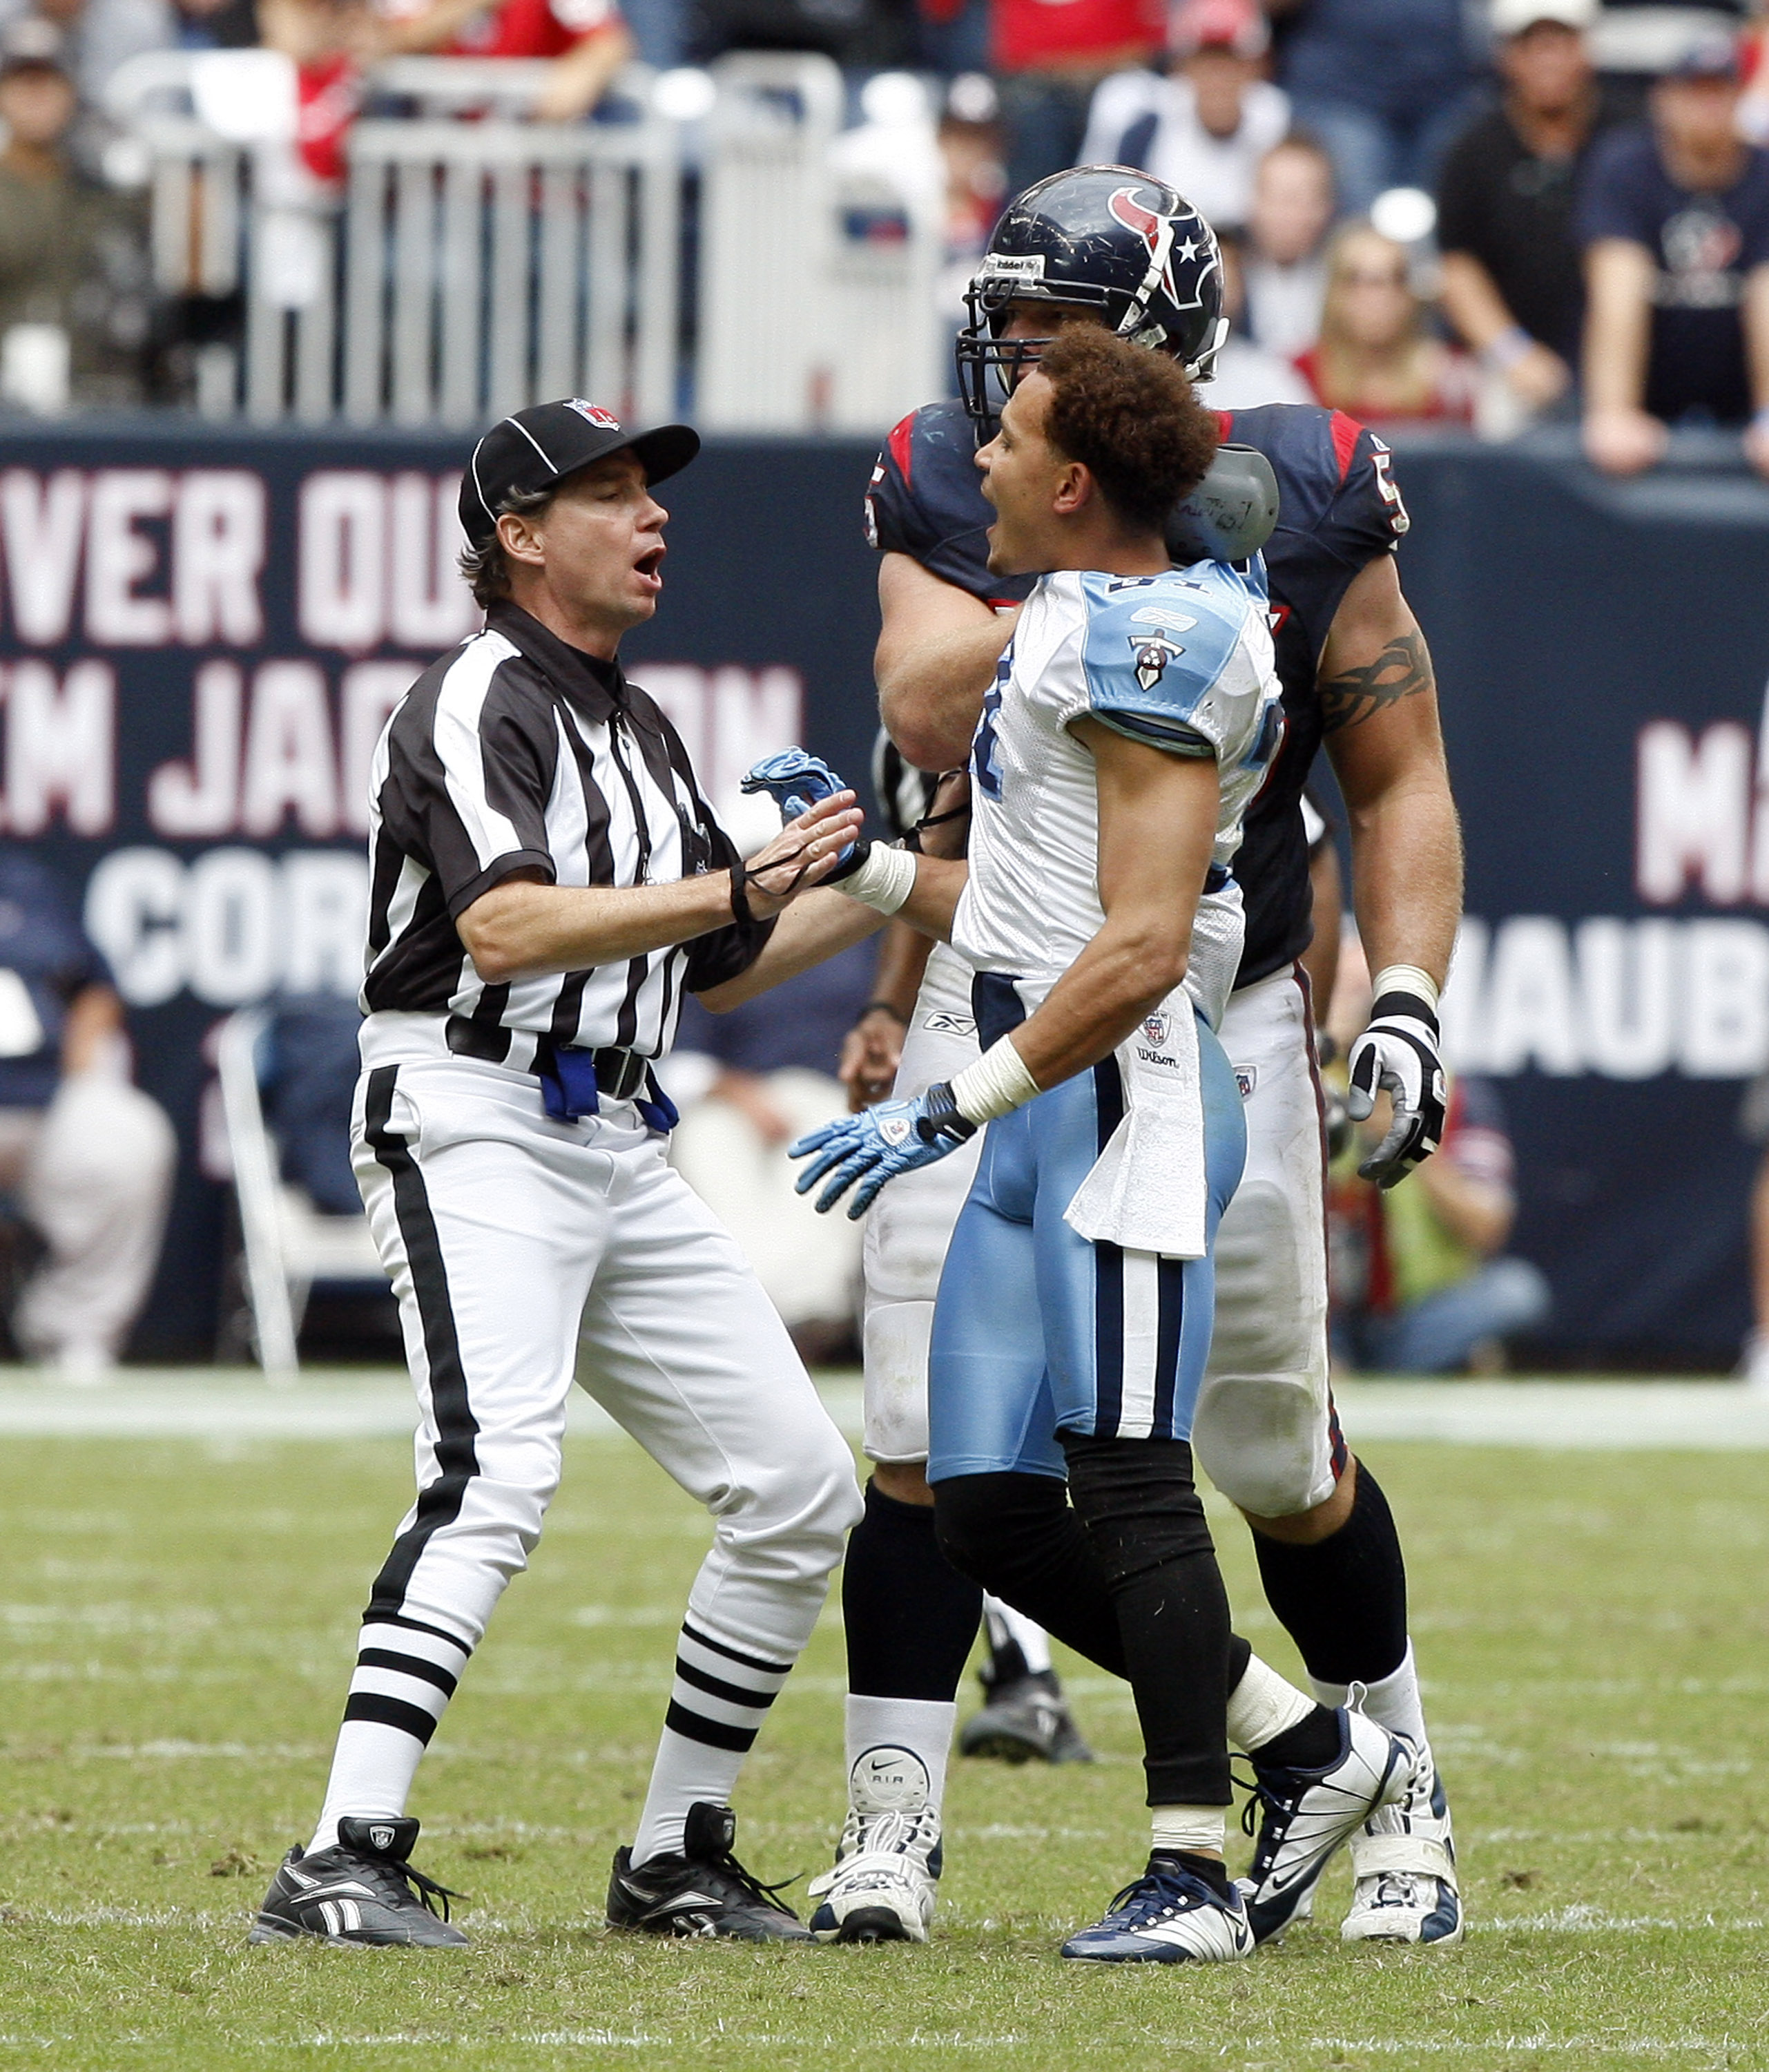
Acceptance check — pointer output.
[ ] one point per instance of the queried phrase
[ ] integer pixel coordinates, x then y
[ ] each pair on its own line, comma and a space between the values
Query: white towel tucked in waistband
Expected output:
1147, 1191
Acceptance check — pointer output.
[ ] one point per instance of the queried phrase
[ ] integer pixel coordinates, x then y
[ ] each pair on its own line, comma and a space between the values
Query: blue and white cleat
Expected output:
1170, 1916
1404, 1862
1305, 1815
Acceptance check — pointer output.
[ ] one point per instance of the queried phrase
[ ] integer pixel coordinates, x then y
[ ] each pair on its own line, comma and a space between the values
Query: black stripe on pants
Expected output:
439, 1502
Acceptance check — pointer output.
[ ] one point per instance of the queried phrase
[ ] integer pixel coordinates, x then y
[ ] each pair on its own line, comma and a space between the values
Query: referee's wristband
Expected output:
883, 881
996, 1085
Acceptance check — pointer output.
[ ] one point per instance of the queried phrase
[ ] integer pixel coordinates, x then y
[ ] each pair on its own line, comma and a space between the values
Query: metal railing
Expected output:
474, 261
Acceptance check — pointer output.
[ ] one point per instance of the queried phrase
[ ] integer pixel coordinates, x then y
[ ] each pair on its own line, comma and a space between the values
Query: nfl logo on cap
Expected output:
594, 414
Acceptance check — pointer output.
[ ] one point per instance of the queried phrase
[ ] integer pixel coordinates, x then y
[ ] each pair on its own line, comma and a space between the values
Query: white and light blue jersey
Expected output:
1183, 661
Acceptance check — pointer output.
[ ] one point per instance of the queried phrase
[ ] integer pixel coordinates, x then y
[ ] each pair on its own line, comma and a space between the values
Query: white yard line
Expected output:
226, 1406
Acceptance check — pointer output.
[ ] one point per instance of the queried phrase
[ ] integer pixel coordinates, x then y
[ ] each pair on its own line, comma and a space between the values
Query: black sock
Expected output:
1142, 1511
1344, 1600
1312, 1744
1017, 1535
911, 1618
1211, 1869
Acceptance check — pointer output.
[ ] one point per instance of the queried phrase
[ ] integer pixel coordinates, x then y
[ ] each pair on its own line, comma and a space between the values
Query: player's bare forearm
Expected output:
1157, 826
1379, 697
937, 648
815, 927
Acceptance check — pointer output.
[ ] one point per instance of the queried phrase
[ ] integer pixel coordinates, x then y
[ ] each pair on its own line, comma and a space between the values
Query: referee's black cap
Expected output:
537, 448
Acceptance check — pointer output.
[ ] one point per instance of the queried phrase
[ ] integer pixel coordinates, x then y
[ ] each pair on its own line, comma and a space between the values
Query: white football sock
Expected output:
404, 1676
1394, 1702
1200, 1829
721, 1695
924, 1726
1262, 1706
1006, 1624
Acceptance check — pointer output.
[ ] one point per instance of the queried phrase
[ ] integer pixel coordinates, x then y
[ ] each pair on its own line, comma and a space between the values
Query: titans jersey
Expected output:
1182, 661
1339, 508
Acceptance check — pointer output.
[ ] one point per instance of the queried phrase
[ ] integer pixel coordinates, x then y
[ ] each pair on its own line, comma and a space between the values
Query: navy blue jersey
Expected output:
1338, 509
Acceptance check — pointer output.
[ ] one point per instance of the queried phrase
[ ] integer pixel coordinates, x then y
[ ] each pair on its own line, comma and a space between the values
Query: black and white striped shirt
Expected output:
518, 753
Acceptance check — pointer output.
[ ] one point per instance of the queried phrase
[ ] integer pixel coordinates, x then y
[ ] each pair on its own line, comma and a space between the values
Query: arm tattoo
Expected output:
1402, 669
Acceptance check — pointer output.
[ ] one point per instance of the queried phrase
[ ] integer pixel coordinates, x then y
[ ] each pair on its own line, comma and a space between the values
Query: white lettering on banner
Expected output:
343, 586
118, 558
61, 747
1618, 999
428, 606
377, 559
217, 553
247, 776
1693, 812
40, 524
727, 718
202, 797
234, 927
290, 766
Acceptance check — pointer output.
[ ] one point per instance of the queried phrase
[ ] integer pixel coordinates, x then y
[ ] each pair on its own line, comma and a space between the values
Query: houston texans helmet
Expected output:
1102, 237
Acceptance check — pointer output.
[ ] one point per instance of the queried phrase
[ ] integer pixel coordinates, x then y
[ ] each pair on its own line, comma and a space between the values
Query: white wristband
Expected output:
884, 880
997, 1084
1407, 978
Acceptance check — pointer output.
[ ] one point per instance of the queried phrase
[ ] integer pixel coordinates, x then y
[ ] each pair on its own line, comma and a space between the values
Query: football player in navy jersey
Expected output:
1109, 245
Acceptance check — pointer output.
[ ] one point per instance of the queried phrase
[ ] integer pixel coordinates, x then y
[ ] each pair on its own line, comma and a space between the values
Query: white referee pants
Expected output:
516, 1244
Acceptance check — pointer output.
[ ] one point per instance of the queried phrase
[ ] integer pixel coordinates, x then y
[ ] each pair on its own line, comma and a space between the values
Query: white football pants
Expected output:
1263, 1430
519, 1246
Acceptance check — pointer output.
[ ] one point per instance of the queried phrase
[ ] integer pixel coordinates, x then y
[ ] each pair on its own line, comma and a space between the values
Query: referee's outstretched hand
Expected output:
804, 854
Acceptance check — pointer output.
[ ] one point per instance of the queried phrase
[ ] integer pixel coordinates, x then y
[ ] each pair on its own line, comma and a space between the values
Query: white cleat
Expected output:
1404, 1862
1305, 1815
886, 1876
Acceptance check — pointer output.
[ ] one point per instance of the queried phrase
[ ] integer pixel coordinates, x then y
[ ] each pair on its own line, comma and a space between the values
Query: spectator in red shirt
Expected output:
1375, 357
1048, 59
587, 40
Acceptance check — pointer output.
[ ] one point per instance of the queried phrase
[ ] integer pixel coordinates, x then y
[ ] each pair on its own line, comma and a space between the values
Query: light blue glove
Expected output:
797, 780
879, 1143
794, 779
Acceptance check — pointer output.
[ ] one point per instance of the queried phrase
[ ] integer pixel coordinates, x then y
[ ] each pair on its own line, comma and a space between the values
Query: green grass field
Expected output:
179, 1623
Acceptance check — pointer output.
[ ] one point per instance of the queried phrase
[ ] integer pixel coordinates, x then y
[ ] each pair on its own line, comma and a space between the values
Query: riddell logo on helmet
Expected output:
594, 413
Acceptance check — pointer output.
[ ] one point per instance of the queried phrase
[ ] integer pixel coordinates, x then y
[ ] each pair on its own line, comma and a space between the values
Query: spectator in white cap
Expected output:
1204, 125
1512, 280
1675, 224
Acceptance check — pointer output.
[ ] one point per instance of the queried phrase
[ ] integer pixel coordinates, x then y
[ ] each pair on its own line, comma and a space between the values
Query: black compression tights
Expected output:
1126, 1574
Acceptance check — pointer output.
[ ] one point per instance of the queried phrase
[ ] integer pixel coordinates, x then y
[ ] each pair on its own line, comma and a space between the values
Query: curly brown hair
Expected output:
1128, 415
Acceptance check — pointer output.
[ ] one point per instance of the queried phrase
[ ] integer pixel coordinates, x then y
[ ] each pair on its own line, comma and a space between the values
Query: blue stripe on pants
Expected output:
1037, 1330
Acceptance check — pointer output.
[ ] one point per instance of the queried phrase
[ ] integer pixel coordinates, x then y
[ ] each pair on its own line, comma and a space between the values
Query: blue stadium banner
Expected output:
201, 631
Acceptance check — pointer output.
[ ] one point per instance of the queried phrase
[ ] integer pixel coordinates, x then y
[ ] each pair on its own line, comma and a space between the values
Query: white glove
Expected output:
1399, 1052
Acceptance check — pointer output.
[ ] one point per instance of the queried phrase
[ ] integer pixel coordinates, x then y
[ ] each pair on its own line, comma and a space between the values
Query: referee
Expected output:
546, 879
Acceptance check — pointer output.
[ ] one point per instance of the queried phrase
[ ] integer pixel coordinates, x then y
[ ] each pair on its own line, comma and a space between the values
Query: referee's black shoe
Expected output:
361, 1892
704, 1891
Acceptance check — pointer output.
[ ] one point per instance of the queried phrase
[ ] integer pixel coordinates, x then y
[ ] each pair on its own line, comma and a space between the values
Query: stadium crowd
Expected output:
1562, 212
